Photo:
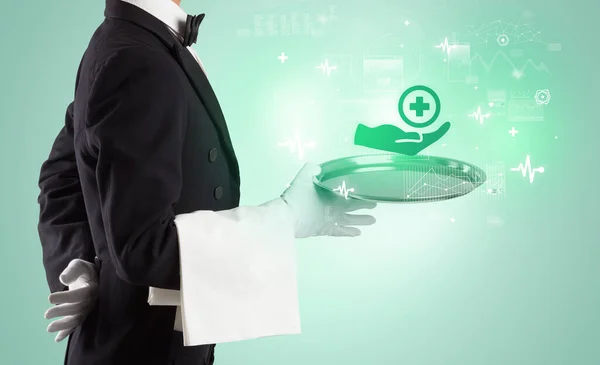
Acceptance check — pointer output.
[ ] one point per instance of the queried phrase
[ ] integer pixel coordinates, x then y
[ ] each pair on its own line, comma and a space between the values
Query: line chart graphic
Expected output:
526, 169
494, 187
518, 71
297, 146
431, 184
479, 115
343, 190
525, 109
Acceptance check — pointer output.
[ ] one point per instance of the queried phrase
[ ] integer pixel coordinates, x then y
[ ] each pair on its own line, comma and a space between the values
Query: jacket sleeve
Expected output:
135, 128
63, 225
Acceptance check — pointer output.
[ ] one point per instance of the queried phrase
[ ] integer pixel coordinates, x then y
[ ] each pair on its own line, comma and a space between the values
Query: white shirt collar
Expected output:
166, 11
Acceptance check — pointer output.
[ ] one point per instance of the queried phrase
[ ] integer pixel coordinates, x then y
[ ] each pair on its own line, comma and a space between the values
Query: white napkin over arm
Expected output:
238, 274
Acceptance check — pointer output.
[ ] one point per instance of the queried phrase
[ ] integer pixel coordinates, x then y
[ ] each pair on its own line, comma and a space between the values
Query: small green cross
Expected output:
419, 106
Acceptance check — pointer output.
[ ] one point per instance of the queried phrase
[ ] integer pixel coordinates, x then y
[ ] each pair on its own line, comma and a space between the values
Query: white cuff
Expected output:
158, 296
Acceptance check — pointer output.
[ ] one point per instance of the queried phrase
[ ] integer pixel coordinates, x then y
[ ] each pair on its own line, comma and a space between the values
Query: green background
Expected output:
514, 280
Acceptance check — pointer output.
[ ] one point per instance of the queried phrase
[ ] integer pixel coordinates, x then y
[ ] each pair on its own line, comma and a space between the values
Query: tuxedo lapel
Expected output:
125, 11
206, 94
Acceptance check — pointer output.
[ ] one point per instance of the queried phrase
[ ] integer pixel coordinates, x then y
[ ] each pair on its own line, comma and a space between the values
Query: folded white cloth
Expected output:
238, 274
178, 325
167, 297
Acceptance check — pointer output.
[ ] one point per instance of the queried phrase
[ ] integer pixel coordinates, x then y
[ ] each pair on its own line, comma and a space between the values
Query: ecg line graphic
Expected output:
326, 68
541, 67
478, 115
343, 190
526, 169
414, 190
295, 144
445, 46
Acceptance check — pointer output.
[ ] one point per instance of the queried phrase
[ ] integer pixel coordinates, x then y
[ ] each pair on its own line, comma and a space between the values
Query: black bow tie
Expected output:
191, 29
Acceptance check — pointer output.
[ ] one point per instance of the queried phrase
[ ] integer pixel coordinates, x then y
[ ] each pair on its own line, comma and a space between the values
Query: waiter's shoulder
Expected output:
138, 59
127, 50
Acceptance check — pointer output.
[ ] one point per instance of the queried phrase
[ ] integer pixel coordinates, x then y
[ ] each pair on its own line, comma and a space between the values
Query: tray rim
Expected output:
473, 170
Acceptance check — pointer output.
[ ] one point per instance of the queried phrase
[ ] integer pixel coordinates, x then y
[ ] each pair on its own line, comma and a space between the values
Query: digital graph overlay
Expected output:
527, 170
457, 59
297, 146
504, 33
446, 47
524, 108
343, 190
519, 70
435, 183
326, 67
479, 116
494, 187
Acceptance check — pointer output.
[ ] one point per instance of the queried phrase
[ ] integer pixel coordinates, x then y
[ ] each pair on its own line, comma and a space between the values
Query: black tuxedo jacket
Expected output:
145, 140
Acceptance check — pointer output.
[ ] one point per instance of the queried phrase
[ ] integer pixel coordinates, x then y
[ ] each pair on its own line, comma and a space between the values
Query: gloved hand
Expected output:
76, 303
319, 212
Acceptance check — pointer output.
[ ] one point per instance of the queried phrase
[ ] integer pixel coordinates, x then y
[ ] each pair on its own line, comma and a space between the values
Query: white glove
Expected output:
319, 212
76, 303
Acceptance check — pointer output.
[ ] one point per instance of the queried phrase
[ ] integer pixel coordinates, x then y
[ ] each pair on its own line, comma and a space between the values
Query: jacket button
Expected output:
212, 155
218, 192
97, 262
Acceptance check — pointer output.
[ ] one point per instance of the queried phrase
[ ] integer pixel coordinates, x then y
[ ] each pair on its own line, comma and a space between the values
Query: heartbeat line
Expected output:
444, 46
526, 169
295, 145
326, 67
343, 191
478, 115
517, 71
444, 188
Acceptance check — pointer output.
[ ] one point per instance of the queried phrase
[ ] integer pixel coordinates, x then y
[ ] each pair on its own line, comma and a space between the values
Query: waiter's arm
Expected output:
63, 224
135, 129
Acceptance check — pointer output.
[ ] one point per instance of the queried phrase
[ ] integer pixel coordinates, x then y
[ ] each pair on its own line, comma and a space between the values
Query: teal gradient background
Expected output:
415, 289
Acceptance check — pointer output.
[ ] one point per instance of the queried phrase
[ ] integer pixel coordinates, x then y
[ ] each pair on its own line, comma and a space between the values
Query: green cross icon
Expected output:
419, 106
391, 138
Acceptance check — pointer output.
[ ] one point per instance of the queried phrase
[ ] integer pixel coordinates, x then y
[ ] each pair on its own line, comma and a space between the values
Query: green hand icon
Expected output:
390, 138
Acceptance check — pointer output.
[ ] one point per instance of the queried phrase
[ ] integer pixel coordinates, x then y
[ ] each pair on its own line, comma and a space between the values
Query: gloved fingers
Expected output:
74, 295
69, 309
63, 334
351, 205
78, 269
355, 220
65, 323
341, 204
342, 231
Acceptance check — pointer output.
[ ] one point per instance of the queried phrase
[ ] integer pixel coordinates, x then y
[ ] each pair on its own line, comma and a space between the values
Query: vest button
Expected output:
212, 155
218, 192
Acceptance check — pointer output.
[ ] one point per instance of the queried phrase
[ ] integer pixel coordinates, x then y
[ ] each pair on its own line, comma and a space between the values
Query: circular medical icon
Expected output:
502, 40
542, 97
419, 100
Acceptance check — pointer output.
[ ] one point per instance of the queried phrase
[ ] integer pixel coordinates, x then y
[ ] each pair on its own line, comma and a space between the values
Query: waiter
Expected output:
144, 177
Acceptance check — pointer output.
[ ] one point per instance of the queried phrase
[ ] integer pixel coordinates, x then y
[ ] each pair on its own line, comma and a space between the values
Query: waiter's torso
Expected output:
123, 328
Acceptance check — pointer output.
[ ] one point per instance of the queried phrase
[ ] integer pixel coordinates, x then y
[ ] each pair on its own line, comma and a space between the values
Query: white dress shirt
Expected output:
238, 266
171, 14
174, 17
